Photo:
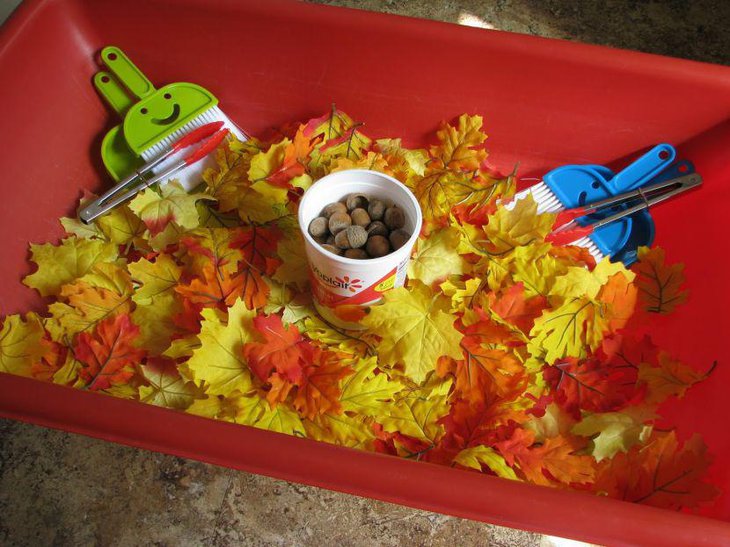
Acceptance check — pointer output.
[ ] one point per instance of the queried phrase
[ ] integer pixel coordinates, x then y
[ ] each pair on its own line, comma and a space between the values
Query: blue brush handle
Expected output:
643, 169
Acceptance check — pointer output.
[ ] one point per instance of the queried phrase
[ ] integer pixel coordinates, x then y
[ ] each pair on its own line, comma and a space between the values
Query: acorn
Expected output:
394, 218
360, 217
376, 209
377, 246
318, 227
356, 201
398, 238
333, 208
359, 254
338, 222
330, 240
352, 237
377, 228
320, 240
332, 249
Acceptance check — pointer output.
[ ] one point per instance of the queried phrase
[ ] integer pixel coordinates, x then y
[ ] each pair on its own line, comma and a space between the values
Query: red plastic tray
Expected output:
545, 103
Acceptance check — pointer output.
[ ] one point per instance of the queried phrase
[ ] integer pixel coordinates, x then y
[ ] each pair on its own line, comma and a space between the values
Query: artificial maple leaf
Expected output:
258, 247
514, 308
282, 350
156, 322
660, 285
62, 264
460, 146
578, 281
660, 473
353, 432
283, 162
338, 137
416, 329
108, 355
292, 306
533, 265
372, 161
619, 298
211, 245
593, 384
615, 432
416, 412
477, 457
327, 335
20, 344
263, 202
365, 392
171, 203
229, 180
436, 257
154, 279
87, 306
218, 287
403, 163
668, 377
218, 362
554, 460
516, 226
165, 387
294, 268
320, 390
281, 420
50, 362
571, 330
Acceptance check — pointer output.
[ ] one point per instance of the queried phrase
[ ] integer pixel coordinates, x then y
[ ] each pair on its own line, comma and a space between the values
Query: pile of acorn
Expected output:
360, 228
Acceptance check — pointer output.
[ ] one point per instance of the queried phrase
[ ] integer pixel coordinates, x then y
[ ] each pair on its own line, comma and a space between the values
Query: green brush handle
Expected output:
113, 92
126, 72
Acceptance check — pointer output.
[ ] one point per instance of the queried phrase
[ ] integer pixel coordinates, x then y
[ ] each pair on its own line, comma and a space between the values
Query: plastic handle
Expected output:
209, 145
569, 235
644, 169
112, 92
202, 132
126, 72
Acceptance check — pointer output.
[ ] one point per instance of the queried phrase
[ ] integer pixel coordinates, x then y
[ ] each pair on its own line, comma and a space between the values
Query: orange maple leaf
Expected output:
660, 284
292, 165
514, 308
619, 294
659, 473
50, 361
283, 350
320, 391
108, 355
218, 287
553, 461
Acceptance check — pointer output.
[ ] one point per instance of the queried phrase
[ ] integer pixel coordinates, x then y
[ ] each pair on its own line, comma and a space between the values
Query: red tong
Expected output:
136, 182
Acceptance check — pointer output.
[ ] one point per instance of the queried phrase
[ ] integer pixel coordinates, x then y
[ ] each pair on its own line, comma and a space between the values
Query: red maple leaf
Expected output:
320, 390
603, 382
283, 350
108, 355
259, 247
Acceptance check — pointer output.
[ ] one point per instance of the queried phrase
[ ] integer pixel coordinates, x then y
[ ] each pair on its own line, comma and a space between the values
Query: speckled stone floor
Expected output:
63, 489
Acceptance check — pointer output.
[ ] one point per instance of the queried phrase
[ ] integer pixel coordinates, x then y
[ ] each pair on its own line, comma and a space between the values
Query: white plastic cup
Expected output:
337, 280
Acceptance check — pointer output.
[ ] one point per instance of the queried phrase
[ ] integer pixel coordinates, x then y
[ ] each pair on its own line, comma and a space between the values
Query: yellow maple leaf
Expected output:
579, 281
365, 392
263, 202
402, 162
477, 456
229, 179
350, 431
219, 360
282, 420
62, 264
534, 266
615, 432
436, 257
293, 306
154, 279
518, 226
372, 161
570, 330
20, 344
417, 412
156, 324
237, 408
294, 267
170, 203
660, 285
458, 146
121, 225
416, 329
325, 334
165, 387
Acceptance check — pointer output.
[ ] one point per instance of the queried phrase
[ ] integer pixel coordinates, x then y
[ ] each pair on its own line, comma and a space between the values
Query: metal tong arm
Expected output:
641, 193
683, 183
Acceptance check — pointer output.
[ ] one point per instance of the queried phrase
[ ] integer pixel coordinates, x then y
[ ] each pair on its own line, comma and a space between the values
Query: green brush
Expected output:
152, 118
